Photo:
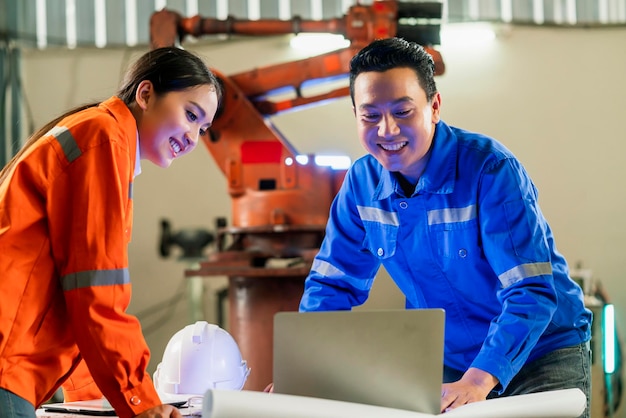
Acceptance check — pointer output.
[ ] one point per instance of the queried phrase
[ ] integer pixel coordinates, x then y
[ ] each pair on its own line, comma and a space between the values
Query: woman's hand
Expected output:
161, 411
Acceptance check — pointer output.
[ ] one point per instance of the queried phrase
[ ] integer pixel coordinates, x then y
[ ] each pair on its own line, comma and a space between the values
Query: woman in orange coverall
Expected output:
65, 222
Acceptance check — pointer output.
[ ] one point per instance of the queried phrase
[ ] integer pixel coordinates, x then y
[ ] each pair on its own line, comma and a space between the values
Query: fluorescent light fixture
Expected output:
467, 34
318, 43
302, 159
506, 10
101, 23
191, 6
70, 26
221, 9
41, 25
284, 9
608, 328
538, 16
316, 10
131, 22
337, 162
254, 10
570, 10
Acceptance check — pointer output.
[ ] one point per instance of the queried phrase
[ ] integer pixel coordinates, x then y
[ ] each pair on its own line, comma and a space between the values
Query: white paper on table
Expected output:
250, 404
565, 403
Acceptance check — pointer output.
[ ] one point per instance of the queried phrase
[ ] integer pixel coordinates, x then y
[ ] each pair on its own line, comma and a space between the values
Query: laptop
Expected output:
389, 358
95, 407
99, 407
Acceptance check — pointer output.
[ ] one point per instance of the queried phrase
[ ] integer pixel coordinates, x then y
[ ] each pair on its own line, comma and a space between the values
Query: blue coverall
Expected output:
471, 239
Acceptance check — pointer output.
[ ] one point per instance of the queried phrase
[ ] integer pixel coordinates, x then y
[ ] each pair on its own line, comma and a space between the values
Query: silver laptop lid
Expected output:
91, 407
391, 358
97, 407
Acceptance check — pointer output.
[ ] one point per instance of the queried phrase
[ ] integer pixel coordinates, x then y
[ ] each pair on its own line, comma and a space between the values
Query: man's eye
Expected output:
192, 116
403, 112
370, 117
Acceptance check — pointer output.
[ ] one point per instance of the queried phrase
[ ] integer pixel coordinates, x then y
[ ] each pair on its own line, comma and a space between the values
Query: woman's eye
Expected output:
203, 132
192, 116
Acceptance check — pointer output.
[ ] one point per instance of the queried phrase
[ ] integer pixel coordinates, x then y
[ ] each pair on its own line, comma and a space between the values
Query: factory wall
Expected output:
555, 96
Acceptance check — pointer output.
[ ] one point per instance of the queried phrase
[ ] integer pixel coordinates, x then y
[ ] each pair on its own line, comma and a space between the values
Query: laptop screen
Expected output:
390, 358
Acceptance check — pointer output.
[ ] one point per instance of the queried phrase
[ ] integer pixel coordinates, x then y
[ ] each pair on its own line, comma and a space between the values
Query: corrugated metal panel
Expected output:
113, 23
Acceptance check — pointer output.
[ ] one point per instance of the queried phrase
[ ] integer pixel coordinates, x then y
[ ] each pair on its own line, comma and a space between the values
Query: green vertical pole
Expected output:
16, 100
8, 32
3, 113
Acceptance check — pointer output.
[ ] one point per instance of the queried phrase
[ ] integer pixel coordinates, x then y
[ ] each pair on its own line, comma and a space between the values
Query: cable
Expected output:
165, 307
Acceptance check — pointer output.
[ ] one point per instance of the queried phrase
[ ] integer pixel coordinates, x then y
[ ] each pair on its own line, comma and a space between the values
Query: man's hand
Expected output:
474, 386
161, 411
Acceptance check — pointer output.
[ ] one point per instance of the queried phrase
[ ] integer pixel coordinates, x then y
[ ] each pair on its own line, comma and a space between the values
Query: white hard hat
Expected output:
197, 358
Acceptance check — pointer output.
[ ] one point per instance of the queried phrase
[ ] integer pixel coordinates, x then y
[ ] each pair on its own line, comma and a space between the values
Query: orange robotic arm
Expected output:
266, 186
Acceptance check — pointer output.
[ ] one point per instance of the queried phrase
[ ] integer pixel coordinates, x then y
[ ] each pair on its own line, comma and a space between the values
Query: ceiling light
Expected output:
318, 43
463, 34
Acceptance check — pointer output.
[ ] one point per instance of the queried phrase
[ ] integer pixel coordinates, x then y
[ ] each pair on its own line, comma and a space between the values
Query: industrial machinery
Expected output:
280, 203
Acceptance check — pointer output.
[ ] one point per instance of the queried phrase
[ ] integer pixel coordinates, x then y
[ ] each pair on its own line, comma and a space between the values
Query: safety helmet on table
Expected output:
199, 357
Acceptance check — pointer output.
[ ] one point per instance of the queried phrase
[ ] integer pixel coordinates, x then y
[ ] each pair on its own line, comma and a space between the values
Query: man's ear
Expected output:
145, 90
436, 107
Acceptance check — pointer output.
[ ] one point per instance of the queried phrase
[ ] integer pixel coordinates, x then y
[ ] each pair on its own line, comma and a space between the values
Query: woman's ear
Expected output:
145, 90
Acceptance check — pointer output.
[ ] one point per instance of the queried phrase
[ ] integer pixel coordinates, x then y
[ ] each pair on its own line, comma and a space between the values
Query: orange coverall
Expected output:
65, 223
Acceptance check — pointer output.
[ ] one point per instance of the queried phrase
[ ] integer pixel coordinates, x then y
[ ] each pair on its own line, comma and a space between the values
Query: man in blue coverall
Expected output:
453, 217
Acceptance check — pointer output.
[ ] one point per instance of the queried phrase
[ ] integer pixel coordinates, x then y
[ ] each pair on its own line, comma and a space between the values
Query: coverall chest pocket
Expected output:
456, 241
380, 239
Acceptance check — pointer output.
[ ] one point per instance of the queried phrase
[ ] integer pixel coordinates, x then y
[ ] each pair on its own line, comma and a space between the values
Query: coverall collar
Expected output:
440, 172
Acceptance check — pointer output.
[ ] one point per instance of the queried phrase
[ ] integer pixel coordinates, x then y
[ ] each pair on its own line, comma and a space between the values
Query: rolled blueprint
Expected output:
566, 403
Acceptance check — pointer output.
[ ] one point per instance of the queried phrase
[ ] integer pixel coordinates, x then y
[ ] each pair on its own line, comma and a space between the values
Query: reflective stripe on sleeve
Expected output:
326, 269
67, 142
524, 271
130, 190
449, 215
378, 215
95, 278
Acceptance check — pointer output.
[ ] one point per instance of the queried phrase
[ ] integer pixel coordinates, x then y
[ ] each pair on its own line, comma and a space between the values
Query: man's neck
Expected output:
407, 187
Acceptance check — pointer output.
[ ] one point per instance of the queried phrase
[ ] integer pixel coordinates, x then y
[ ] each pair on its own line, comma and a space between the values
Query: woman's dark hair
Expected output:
386, 54
169, 69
